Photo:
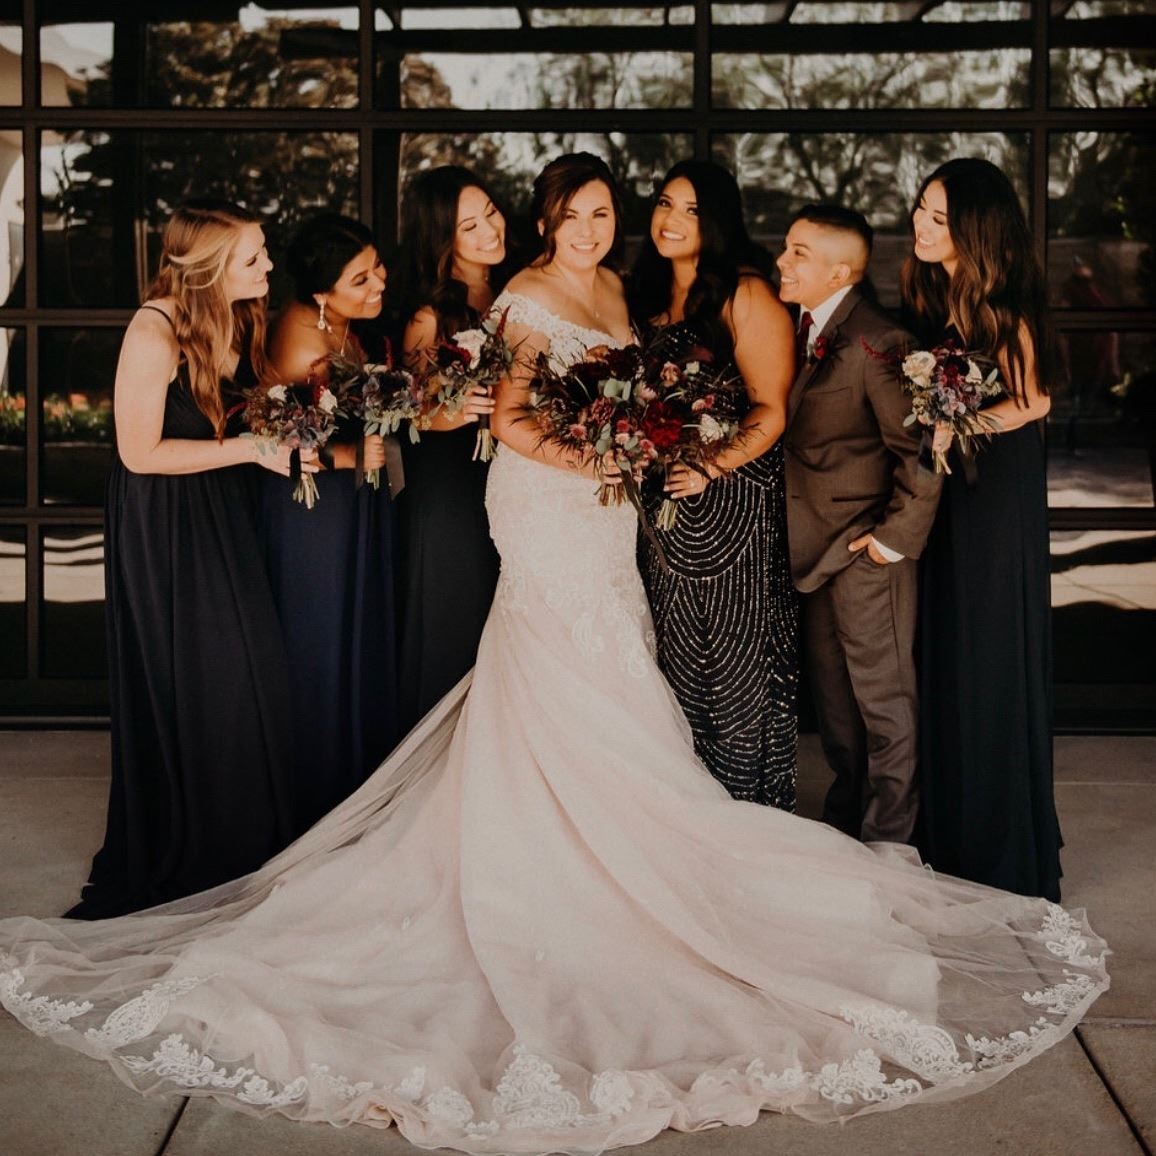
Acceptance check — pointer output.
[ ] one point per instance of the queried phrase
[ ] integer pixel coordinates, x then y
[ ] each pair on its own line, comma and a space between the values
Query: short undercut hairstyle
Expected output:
838, 217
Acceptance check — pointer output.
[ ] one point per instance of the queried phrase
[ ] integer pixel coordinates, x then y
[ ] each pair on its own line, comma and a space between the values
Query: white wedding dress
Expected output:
541, 926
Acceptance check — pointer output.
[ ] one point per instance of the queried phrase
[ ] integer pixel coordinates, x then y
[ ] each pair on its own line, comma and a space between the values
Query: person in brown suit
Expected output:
859, 508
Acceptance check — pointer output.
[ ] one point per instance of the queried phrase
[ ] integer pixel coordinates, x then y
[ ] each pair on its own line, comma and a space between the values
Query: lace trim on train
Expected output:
530, 1093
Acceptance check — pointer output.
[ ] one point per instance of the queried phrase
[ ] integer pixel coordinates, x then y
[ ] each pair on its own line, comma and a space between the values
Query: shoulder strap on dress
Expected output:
156, 309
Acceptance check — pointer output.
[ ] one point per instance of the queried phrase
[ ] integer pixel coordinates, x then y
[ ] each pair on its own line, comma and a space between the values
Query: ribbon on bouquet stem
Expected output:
295, 466
630, 489
931, 459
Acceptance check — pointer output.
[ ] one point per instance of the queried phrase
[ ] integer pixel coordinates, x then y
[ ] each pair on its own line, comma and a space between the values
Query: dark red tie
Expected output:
805, 323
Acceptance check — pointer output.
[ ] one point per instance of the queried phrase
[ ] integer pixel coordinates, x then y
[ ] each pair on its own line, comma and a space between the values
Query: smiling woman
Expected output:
725, 613
200, 709
454, 261
331, 567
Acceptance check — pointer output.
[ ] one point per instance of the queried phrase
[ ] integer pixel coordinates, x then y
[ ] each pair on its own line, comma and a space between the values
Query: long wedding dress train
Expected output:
541, 926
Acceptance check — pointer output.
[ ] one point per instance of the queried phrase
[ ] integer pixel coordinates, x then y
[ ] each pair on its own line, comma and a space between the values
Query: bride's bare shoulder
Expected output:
609, 278
533, 284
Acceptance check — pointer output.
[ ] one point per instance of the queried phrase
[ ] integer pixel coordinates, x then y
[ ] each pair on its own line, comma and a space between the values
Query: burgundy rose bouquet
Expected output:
692, 413
384, 397
473, 357
594, 407
947, 385
302, 416
641, 412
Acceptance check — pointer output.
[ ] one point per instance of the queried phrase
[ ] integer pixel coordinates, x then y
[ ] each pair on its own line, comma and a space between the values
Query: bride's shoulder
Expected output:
529, 299
609, 278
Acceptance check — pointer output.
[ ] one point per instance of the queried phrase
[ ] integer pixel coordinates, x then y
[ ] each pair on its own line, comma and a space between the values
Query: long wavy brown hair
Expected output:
424, 272
997, 290
197, 244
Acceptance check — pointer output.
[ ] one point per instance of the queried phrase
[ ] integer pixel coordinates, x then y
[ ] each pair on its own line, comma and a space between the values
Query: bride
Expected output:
542, 926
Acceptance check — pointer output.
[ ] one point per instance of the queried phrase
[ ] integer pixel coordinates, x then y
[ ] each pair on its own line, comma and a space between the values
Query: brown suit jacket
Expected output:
852, 466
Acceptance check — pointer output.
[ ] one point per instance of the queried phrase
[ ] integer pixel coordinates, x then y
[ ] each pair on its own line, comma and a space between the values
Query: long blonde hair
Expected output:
197, 244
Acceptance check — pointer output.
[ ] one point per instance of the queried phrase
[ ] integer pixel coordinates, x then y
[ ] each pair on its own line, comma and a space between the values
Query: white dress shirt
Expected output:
821, 314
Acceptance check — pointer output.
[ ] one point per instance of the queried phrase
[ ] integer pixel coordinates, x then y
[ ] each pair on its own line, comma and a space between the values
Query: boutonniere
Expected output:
824, 347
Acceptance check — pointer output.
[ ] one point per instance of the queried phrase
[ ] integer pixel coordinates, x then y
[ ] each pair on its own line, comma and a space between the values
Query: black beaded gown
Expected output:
447, 567
726, 620
987, 810
199, 700
331, 569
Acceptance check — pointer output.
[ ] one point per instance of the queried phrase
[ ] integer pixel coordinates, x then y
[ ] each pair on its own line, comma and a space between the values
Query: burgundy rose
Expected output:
591, 373
623, 363
661, 425
450, 355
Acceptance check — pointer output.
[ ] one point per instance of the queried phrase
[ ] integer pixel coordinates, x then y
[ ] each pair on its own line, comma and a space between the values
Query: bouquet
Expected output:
594, 407
381, 396
471, 358
692, 413
301, 416
641, 412
947, 385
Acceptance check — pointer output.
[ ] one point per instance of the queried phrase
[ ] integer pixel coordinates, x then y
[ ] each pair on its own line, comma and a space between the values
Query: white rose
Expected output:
974, 373
471, 340
919, 366
277, 392
327, 403
710, 429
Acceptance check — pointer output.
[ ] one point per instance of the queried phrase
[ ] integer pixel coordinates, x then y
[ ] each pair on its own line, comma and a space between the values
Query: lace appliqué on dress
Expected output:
39, 1014
1061, 936
925, 1049
140, 1016
186, 1067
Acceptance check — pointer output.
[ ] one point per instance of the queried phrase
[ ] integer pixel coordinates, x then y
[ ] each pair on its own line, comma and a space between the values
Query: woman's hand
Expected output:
277, 460
683, 482
373, 452
479, 403
609, 471
942, 438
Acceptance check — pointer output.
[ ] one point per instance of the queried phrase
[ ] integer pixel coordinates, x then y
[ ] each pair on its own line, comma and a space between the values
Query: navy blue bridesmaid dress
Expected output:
199, 700
331, 570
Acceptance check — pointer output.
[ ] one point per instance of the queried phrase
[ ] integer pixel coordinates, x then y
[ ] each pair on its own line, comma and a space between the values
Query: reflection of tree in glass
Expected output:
876, 173
1101, 188
219, 65
281, 175
993, 79
508, 162
613, 80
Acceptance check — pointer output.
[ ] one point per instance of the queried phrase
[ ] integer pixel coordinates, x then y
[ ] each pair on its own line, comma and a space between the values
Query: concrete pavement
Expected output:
1094, 1095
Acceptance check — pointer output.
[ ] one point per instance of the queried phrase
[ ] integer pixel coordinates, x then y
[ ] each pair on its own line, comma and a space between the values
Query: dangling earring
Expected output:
321, 322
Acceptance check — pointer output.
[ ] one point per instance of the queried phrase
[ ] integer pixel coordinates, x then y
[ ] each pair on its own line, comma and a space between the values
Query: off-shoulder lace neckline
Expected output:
538, 307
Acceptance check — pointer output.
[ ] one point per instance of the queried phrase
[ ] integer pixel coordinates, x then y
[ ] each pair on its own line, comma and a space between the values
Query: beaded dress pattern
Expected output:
726, 619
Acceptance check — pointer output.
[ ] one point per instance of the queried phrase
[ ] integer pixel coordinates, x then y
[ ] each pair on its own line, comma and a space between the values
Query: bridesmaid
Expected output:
725, 612
452, 267
200, 713
988, 811
331, 567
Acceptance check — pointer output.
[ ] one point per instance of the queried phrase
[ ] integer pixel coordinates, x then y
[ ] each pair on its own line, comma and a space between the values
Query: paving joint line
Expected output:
175, 1121
1133, 1127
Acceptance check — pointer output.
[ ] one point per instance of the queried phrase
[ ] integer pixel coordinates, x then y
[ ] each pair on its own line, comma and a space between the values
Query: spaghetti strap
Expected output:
157, 309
